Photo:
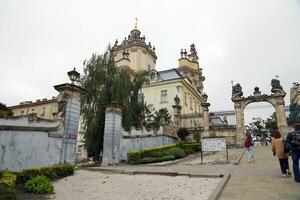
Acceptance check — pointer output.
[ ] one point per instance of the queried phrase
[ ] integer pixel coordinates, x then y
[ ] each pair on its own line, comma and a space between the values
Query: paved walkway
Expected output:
260, 180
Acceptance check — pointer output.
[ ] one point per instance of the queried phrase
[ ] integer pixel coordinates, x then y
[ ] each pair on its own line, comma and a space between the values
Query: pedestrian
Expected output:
293, 141
249, 147
278, 150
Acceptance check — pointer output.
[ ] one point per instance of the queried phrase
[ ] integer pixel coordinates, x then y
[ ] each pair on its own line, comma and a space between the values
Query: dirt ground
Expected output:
97, 185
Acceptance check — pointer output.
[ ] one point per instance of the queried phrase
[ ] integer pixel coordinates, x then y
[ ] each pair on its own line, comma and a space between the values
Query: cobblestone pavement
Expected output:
260, 180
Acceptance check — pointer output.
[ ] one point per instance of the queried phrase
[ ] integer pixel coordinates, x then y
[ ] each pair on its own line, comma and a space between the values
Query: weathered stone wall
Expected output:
25, 144
117, 142
29, 141
228, 132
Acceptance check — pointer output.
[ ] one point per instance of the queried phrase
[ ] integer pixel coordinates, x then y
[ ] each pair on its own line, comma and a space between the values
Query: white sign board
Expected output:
213, 144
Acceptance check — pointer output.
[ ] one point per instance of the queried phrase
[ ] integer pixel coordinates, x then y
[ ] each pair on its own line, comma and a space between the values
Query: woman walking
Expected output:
249, 147
278, 150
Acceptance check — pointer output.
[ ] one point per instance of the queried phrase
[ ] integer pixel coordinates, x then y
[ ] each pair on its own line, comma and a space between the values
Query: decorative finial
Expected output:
136, 21
277, 76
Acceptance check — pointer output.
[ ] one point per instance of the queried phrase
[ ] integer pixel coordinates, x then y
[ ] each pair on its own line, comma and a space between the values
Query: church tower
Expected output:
189, 67
134, 54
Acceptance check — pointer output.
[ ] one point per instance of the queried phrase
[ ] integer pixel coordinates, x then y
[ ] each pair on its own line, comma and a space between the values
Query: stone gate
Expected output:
276, 99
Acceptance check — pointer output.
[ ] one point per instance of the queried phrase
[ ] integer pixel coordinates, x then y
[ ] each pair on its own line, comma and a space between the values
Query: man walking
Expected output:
293, 139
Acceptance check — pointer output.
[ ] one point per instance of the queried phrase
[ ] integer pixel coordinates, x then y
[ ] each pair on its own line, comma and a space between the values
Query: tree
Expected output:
4, 111
104, 84
258, 128
271, 122
182, 133
161, 116
294, 116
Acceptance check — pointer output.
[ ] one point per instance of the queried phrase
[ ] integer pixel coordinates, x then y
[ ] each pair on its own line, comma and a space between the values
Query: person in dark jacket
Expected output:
293, 140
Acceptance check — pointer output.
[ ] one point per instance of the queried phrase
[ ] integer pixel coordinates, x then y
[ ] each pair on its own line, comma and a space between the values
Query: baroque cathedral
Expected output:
180, 90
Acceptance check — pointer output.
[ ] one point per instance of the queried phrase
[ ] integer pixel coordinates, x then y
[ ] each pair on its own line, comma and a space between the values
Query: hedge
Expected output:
190, 147
176, 152
53, 172
162, 153
153, 160
135, 157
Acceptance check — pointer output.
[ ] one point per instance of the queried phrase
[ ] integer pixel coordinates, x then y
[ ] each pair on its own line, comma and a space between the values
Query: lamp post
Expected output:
73, 75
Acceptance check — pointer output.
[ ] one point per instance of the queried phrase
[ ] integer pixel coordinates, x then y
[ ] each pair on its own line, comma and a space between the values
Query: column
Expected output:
205, 119
112, 135
281, 117
240, 132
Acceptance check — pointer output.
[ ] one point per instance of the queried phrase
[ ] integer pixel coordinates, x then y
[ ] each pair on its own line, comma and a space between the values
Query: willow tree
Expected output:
104, 83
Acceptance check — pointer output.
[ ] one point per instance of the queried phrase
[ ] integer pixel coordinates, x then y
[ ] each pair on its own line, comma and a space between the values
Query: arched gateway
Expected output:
276, 99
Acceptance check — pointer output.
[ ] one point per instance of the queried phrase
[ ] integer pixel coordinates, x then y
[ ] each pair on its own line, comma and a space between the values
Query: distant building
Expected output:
223, 117
295, 93
44, 108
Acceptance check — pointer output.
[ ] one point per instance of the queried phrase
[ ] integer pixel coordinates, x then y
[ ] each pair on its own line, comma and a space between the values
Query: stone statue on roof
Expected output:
237, 88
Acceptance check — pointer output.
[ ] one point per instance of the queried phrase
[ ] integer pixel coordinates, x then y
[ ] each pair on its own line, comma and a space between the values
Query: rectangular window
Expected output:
141, 97
163, 96
55, 109
44, 111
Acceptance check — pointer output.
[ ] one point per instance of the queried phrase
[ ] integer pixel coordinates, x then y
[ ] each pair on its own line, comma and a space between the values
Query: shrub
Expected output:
7, 193
177, 152
158, 154
39, 185
182, 133
54, 172
135, 157
8, 180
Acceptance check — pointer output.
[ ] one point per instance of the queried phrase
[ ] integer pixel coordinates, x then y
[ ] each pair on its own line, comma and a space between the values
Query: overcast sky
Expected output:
249, 41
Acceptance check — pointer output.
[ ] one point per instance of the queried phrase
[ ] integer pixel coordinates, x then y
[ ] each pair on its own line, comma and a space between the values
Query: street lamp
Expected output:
73, 75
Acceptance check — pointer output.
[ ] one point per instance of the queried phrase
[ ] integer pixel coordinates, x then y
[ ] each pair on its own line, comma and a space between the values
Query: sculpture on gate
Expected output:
237, 91
275, 83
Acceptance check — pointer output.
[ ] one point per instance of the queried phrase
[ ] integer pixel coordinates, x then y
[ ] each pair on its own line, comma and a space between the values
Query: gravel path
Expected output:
97, 185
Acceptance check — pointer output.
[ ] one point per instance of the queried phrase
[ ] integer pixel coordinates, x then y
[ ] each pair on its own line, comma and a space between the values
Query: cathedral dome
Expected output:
135, 33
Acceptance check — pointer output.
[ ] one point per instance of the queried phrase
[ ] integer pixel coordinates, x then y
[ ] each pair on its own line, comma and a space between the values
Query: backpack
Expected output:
296, 140
286, 146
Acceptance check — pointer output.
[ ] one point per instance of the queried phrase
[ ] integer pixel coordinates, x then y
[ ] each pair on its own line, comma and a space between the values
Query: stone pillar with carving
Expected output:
177, 111
112, 135
205, 119
240, 132
281, 117
69, 111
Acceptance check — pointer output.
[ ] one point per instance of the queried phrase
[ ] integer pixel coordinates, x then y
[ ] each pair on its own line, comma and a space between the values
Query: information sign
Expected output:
213, 144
